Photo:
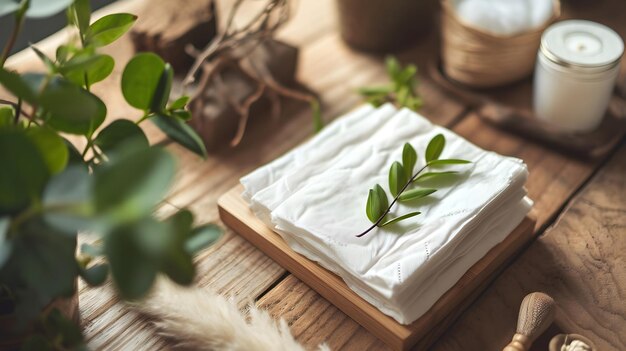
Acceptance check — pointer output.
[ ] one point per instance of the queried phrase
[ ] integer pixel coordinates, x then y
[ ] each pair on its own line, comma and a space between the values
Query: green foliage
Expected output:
50, 191
401, 90
400, 179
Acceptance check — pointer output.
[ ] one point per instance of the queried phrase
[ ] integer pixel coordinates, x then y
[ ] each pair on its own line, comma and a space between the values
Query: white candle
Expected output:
577, 65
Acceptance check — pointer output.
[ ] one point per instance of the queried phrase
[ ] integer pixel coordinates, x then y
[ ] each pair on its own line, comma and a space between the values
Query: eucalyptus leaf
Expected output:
69, 200
133, 274
179, 103
435, 147
46, 8
95, 275
450, 161
51, 146
7, 115
141, 78
201, 237
433, 175
401, 218
409, 158
415, 194
180, 132
397, 178
132, 183
109, 28
162, 92
93, 68
5, 244
119, 133
25, 172
72, 109
83, 15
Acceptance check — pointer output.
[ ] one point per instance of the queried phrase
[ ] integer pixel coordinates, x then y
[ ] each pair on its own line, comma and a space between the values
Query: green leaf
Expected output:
51, 146
109, 28
83, 15
162, 92
92, 250
132, 272
69, 194
180, 132
375, 91
201, 237
5, 245
131, 184
183, 115
382, 197
401, 218
450, 161
118, 133
393, 67
374, 207
20, 86
407, 74
179, 103
435, 147
415, 194
397, 178
24, 170
72, 109
7, 116
46, 8
140, 80
409, 158
318, 122
95, 275
62, 53
433, 175
45, 59
95, 67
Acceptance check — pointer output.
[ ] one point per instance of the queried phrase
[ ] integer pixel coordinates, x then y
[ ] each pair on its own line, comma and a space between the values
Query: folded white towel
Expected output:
315, 198
504, 17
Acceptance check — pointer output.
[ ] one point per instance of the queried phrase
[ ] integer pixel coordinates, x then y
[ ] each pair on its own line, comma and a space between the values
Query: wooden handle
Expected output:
535, 315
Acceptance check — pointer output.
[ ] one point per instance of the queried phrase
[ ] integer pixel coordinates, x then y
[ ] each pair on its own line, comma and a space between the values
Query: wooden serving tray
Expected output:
422, 333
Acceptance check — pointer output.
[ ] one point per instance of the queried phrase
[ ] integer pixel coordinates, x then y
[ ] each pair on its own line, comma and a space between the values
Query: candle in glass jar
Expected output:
577, 65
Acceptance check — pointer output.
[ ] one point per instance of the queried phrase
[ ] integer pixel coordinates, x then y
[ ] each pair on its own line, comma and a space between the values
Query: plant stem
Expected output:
143, 118
393, 202
19, 20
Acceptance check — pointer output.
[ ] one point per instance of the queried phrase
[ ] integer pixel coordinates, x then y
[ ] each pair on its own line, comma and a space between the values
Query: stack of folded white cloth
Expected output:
315, 196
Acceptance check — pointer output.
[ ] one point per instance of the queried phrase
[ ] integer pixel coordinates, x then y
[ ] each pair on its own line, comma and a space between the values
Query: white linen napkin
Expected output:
317, 204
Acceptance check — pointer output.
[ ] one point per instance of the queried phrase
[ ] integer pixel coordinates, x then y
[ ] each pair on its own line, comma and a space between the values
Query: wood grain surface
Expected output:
579, 261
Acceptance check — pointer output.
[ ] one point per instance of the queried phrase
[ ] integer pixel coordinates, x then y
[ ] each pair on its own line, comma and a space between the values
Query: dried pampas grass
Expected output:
202, 320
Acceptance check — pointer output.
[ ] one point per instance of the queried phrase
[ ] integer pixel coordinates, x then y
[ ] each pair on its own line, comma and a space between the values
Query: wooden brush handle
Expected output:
535, 315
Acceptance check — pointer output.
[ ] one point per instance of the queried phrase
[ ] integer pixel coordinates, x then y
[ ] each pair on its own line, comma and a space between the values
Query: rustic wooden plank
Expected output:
580, 261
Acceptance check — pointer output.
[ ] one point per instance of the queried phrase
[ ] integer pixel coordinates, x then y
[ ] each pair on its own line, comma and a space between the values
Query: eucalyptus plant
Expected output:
109, 188
404, 185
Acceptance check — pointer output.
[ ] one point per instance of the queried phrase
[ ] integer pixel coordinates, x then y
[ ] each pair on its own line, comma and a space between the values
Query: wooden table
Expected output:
579, 257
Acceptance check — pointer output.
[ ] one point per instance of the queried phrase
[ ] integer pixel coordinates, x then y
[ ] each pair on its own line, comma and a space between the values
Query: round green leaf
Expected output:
181, 133
132, 272
140, 79
24, 170
72, 109
68, 196
202, 237
51, 146
46, 8
96, 67
119, 132
132, 183
179, 103
24, 86
95, 275
109, 28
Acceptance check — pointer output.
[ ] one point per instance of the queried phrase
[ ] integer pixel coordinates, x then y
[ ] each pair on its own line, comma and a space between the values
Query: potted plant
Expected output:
50, 190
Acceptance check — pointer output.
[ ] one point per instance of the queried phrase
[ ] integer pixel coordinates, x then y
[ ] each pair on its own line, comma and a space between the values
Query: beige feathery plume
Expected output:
202, 320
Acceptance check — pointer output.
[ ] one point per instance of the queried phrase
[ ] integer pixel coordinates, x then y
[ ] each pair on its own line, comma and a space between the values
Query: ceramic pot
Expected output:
381, 26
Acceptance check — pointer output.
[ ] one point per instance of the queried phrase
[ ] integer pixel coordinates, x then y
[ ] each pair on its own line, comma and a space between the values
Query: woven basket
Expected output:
480, 59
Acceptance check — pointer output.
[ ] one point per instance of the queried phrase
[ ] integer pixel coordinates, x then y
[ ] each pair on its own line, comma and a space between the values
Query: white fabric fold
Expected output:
315, 197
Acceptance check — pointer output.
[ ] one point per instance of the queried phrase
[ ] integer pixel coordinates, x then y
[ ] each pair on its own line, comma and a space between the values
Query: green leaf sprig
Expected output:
402, 90
401, 177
